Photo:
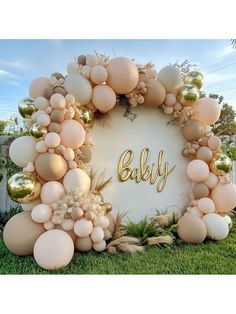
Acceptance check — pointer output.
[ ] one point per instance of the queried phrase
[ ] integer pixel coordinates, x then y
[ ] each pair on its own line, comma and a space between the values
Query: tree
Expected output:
226, 125
3, 125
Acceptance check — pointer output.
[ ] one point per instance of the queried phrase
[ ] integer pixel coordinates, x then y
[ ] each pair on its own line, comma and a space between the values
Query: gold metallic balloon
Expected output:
221, 164
195, 78
108, 207
26, 107
188, 94
228, 219
23, 187
38, 131
85, 115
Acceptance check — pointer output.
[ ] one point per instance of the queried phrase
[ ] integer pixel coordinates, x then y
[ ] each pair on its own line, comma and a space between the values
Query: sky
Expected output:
23, 60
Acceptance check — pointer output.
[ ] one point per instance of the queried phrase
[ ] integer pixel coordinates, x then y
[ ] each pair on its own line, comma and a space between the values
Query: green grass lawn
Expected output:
208, 258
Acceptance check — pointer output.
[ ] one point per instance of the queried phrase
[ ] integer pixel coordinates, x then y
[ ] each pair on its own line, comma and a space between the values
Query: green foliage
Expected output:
229, 149
3, 125
142, 229
5, 216
226, 125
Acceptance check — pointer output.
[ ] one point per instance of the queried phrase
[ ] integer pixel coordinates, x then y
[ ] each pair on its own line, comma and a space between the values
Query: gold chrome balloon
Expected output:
188, 94
23, 187
26, 107
228, 219
108, 207
38, 131
221, 164
85, 115
194, 78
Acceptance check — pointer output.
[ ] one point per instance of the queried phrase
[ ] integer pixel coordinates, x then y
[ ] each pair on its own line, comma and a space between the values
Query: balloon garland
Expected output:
63, 210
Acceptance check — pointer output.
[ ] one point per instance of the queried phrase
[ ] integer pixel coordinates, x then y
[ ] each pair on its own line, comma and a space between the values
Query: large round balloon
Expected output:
23, 187
22, 150
217, 227
72, 134
52, 192
197, 170
191, 229
193, 130
206, 110
170, 77
103, 98
50, 167
54, 249
155, 94
80, 87
38, 86
123, 75
20, 234
224, 197
77, 179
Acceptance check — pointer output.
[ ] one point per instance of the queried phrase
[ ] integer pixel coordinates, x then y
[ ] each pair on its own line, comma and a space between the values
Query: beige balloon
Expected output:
155, 94
54, 249
22, 150
103, 98
57, 116
50, 167
21, 232
112, 223
83, 244
204, 153
170, 77
123, 75
76, 179
72, 134
191, 229
193, 130
206, 110
224, 197
200, 190
80, 87
38, 86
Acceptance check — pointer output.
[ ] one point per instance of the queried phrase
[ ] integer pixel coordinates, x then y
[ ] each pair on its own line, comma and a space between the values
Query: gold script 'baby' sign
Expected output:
156, 173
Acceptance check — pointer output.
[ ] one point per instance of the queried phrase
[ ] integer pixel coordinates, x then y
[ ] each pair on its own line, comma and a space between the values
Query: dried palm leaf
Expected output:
98, 181
160, 240
119, 230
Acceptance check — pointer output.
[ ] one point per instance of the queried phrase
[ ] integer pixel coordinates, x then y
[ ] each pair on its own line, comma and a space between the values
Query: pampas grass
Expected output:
125, 244
166, 239
98, 181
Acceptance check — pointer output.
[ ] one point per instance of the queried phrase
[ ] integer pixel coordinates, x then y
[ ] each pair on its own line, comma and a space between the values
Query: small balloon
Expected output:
38, 131
84, 114
195, 78
23, 187
188, 94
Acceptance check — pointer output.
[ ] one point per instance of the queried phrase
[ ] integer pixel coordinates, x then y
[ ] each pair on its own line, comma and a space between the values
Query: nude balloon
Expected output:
98, 74
97, 234
83, 227
170, 78
72, 134
155, 94
103, 98
41, 103
38, 86
206, 110
224, 197
99, 246
76, 179
52, 140
206, 205
211, 180
123, 75
21, 232
200, 190
214, 142
191, 229
57, 101
22, 150
83, 244
193, 130
204, 153
197, 170
52, 192
80, 87
41, 213
54, 249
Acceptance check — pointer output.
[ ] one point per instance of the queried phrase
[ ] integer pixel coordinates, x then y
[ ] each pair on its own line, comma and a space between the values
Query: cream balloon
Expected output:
52, 140
99, 246
170, 78
72, 134
20, 233
170, 99
41, 213
80, 87
217, 227
43, 119
102, 221
41, 147
97, 235
57, 101
194, 211
206, 205
197, 170
76, 179
41, 103
91, 60
68, 224
211, 181
98, 74
103, 98
38, 86
22, 150
54, 249
214, 142
52, 192
206, 110
83, 227
123, 75
83, 244
224, 197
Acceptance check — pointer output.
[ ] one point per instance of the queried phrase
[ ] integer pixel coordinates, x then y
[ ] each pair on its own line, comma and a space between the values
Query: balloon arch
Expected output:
63, 209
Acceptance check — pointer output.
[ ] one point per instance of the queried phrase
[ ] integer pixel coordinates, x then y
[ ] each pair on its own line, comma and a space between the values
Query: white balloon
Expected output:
217, 227
22, 150
80, 87
99, 246
76, 179
170, 77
